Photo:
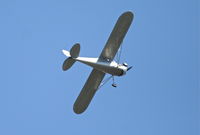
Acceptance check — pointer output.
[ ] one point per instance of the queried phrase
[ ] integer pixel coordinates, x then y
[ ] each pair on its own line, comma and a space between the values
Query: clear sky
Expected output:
159, 96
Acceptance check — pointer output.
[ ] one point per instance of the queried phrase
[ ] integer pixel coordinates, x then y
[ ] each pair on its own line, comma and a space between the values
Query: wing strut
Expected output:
119, 52
107, 80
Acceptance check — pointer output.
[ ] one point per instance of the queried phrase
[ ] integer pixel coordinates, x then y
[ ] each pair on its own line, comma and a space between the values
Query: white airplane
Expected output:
101, 65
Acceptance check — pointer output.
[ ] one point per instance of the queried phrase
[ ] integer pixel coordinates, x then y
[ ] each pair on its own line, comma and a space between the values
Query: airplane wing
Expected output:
88, 91
117, 36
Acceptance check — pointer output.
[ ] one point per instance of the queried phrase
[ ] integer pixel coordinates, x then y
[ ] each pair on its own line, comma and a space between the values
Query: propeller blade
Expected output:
129, 68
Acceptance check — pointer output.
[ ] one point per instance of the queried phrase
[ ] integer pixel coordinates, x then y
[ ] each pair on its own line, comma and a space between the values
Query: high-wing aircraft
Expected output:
101, 65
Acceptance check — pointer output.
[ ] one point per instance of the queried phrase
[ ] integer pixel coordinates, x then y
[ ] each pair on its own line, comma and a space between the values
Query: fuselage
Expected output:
112, 67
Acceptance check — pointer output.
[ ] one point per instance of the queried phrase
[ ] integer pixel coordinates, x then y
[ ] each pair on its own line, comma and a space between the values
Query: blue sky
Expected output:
159, 96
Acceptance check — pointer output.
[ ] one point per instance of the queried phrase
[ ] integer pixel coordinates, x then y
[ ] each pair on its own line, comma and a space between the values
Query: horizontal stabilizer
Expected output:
68, 63
74, 52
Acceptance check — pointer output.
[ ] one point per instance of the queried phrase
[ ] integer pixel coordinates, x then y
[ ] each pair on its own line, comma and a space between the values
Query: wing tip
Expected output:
128, 14
78, 110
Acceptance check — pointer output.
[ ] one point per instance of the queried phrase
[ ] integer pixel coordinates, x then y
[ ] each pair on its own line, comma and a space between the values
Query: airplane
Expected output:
101, 65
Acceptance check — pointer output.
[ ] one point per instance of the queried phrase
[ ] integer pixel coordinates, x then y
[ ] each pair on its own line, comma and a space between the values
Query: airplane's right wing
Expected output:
88, 91
117, 36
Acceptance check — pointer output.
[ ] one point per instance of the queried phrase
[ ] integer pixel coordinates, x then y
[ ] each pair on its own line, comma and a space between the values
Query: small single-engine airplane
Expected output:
101, 65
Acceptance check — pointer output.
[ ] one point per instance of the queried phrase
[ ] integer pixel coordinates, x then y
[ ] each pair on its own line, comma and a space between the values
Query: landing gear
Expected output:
114, 84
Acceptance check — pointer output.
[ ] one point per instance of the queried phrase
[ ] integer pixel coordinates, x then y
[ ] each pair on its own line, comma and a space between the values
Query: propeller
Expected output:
129, 68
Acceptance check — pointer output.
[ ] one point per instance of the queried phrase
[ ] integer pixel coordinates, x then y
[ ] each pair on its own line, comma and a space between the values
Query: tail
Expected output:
73, 54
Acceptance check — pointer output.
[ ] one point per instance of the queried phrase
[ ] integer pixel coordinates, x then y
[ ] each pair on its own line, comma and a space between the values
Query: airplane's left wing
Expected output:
88, 91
